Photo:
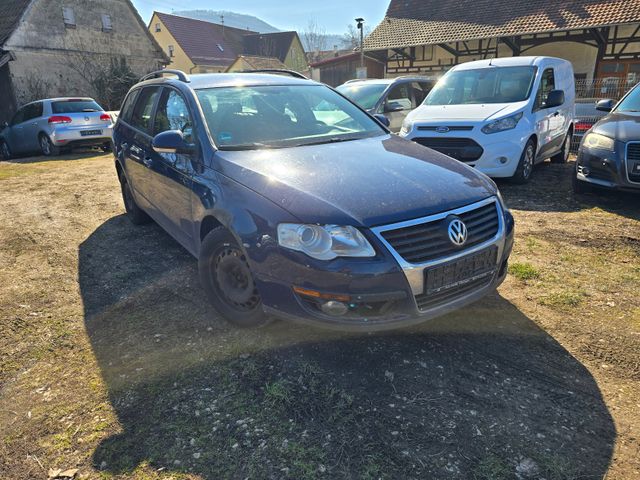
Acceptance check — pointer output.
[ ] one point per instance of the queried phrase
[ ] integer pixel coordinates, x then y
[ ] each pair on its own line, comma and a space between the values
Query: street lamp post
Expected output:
360, 23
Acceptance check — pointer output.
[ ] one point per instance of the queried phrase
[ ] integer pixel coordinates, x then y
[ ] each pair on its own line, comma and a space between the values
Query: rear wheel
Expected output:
227, 280
5, 151
563, 155
134, 212
526, 163
47, 147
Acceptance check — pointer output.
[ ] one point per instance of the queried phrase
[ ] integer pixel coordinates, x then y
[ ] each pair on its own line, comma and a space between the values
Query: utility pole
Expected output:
360, 23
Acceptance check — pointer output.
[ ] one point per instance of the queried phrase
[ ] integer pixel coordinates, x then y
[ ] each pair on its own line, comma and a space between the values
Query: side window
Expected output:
141, 115
399, 98
547, 83
173, 114
420, 91
127, 106
32, 111
18, 117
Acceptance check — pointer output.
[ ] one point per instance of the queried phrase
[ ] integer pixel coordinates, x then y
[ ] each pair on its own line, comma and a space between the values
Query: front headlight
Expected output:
595, 140
506, 123
324, 242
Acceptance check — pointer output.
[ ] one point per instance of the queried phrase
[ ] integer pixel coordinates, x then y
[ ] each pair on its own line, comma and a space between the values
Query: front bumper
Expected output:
607, 169
501, 151
383, 292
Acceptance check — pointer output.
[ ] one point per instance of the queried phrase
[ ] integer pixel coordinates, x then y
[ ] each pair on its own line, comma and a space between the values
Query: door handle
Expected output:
35, 124
148, 161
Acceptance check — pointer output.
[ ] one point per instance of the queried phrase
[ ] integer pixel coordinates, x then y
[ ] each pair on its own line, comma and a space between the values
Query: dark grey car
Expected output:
392, 97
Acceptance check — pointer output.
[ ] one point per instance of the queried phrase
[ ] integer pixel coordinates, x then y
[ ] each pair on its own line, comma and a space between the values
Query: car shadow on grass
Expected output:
550, 191
480, 393
76, 154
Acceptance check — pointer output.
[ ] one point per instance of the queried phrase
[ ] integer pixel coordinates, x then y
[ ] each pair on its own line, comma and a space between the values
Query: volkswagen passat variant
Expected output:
297, 214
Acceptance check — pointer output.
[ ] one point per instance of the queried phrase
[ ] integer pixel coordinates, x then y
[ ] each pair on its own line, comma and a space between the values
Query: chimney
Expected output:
222, 23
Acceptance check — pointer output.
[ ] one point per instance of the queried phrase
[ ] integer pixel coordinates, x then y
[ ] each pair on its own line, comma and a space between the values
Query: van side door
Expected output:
549, 121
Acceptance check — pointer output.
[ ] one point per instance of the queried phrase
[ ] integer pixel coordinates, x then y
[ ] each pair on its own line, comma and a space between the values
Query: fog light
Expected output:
334, 308
585, 171
503, 160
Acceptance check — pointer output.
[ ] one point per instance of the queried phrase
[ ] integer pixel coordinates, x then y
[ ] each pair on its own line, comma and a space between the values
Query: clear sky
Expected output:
332, 15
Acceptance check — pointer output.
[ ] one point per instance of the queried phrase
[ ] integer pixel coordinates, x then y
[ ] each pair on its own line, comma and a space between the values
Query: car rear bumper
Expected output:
81, 136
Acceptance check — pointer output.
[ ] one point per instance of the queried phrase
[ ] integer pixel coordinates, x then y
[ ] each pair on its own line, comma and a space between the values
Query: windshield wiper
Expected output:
246, 146
330, 140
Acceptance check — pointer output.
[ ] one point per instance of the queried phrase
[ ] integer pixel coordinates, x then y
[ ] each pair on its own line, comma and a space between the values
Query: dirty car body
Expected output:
411, 233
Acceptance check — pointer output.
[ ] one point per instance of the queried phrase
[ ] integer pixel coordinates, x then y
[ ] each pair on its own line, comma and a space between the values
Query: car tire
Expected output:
5, 151
134, 212
525, 166
579, 187
47, 148
563, 155
228, 282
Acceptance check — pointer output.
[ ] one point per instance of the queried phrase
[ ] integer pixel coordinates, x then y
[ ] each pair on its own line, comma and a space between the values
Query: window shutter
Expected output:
106, 23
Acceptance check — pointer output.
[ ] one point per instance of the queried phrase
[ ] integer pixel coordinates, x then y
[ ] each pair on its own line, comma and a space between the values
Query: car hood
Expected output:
624, 127
367, 182
473, 113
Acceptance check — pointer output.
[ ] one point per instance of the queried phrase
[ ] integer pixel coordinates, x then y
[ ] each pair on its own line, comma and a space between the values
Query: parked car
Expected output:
393, 97
587, 115
48, 126
609, 155
339, 224
501, 116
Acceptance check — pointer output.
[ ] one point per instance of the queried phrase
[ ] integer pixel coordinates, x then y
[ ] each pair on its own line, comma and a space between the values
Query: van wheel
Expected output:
47, 148
5, 151
134, 212
526, 163
563, 155
227, 280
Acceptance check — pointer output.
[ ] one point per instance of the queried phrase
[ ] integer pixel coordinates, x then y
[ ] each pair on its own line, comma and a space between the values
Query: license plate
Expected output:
86, 133
461, 271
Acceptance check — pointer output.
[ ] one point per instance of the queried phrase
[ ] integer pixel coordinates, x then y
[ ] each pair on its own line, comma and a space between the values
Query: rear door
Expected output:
31, 126
16, 132
171, 174
136, 149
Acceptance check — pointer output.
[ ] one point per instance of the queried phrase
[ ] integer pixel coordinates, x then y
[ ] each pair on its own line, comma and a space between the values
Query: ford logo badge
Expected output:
442, 129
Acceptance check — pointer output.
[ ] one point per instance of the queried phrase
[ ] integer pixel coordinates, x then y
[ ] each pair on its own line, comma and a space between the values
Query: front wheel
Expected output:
563, 155
47, 148
5, 151
227, 280
525, 165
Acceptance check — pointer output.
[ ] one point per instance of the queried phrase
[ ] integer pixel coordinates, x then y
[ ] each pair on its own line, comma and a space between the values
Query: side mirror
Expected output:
5, 124
554, 99
171, 141
391, 107
605, 105
382, 119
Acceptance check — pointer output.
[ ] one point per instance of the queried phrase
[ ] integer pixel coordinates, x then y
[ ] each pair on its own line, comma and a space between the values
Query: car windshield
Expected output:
483, 85
631, 103
75, 106
364, 94
271, 116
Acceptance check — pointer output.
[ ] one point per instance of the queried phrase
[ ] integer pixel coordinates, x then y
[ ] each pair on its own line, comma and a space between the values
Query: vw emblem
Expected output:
87, 119
457, 232
442, 129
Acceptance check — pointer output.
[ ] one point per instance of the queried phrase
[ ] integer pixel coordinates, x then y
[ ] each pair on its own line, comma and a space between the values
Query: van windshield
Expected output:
483, 85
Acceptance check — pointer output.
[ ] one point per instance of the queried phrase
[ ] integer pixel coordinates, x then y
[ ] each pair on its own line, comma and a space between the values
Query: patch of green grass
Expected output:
277, 393
492, 467
524, 271
532, 243
566, 299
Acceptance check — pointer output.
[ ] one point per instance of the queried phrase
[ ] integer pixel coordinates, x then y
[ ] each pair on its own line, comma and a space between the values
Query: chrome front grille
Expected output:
423, 242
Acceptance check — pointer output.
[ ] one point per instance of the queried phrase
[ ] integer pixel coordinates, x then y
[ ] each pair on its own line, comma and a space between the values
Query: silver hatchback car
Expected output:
49, 126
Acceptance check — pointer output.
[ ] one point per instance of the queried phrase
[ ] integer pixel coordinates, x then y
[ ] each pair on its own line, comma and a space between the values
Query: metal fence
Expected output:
588, 92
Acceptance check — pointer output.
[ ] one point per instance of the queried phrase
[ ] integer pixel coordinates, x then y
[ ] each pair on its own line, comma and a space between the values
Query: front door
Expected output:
397, 105
172, 173
16, 132
549, 121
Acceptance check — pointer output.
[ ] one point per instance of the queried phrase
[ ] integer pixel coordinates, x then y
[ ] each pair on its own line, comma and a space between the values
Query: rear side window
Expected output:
142, 113
33, 111
18, 117
75, 106
127, 106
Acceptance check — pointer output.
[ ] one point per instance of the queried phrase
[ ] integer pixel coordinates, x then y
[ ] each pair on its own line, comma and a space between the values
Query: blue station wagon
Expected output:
300, 205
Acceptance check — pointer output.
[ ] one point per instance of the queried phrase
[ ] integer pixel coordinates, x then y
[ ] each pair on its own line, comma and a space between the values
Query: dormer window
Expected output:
69, 17
171, 50
220, 47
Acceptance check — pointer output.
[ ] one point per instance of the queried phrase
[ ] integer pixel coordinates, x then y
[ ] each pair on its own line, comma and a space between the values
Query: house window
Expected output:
158, 29
106, 23
171, 50
69, 17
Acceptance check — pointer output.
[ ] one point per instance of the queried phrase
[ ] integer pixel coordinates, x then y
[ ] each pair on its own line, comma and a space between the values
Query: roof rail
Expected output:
159, 73
280, 71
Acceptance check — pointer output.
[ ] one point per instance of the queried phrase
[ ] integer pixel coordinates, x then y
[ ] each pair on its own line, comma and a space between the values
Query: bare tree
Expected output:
351, 38
314, 37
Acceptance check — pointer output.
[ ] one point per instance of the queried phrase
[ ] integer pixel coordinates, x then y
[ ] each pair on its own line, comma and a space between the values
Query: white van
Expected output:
501, 115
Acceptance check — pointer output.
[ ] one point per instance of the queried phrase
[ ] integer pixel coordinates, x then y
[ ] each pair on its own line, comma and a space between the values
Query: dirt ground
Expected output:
111, 363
